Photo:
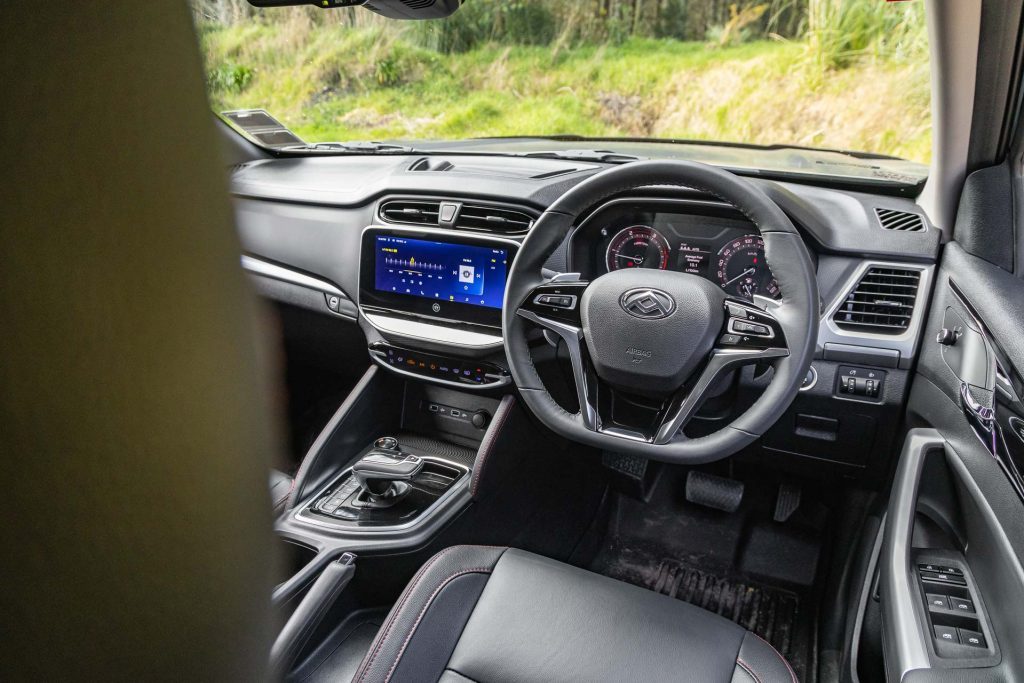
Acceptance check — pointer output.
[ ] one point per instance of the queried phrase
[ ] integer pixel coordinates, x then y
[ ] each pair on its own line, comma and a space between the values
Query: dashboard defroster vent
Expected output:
493, 219
901, 221
413, 212
881, 303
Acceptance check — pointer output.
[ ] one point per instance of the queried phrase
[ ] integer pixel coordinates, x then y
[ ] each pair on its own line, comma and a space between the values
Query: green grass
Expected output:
329, 82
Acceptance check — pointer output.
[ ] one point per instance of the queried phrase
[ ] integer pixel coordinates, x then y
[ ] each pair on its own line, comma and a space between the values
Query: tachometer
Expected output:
741, 269
637, 247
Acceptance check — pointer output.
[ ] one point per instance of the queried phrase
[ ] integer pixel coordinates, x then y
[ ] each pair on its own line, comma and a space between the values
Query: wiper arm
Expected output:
600, 155
361, 147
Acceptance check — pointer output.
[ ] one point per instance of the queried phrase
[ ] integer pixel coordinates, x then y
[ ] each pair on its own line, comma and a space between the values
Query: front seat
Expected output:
483, 614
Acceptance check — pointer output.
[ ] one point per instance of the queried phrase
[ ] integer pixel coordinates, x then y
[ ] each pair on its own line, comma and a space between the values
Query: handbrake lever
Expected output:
311, 611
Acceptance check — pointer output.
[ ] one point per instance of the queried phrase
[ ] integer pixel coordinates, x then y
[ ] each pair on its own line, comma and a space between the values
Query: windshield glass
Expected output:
847, 75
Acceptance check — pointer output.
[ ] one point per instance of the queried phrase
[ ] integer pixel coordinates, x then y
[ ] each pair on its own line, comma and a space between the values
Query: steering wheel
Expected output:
660, 334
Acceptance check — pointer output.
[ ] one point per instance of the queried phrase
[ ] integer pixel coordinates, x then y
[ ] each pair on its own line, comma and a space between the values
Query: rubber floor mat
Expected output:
769, 612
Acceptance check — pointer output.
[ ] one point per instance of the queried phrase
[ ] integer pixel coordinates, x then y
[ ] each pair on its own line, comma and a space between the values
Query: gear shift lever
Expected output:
384, 472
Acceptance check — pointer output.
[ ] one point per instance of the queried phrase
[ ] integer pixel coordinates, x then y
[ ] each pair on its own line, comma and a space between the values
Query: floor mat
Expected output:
777, 615
749, 569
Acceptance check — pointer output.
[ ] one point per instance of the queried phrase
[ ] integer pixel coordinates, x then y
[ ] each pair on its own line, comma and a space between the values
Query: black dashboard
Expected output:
304, 224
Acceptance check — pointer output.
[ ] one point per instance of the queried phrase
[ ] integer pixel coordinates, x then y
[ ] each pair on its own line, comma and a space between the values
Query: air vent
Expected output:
901, 221
881, 303
493, 219
411, 212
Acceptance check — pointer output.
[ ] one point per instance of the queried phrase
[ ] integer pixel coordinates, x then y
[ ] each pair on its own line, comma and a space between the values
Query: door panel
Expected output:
957, 502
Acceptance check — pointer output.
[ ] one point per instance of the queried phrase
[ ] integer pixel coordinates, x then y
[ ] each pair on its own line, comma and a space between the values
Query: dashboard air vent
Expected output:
410, 211
902, 221
881, 303
493, 219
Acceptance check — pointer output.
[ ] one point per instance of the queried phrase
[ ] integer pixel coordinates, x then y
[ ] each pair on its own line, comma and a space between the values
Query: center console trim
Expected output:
304, 516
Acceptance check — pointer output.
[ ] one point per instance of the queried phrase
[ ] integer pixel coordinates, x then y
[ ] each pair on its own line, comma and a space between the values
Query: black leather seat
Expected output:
484, 614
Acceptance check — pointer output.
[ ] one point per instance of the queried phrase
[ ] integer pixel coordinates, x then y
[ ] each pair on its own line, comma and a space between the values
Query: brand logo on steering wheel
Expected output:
647, 303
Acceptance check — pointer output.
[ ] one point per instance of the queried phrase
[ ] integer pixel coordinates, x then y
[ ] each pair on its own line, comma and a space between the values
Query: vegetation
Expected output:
850, 74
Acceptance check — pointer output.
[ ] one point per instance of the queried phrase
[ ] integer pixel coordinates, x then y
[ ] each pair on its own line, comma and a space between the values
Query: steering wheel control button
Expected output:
971, 638
937, 601
556, 300
946, 634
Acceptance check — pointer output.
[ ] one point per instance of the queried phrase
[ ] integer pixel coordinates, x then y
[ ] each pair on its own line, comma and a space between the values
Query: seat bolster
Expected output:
424, 626
758, 662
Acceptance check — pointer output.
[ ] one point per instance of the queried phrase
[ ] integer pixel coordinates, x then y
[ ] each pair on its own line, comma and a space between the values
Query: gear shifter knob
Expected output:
383, 474
387, 443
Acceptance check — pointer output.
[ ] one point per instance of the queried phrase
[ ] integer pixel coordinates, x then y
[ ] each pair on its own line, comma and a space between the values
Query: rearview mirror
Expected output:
393, 9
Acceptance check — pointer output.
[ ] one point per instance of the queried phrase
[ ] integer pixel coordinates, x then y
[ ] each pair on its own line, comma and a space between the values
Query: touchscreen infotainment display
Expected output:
442, 271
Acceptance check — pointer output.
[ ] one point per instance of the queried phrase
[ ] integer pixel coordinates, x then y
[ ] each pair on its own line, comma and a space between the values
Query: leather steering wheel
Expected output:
660, 334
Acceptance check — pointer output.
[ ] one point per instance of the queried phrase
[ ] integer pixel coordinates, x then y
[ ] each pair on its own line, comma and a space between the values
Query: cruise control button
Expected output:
729, 339
937, 601
961, 605
972, 638
946, 634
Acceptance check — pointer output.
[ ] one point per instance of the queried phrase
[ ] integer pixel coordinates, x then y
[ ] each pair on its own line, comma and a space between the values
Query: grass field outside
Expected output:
332, 82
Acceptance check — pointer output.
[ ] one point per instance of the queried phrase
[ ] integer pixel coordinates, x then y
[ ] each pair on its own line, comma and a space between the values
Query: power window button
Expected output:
946, 634
937, 601
961, 605
972, 638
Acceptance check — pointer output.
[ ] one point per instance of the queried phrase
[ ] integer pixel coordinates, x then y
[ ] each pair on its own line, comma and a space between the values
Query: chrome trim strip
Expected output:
257, 266
410, 329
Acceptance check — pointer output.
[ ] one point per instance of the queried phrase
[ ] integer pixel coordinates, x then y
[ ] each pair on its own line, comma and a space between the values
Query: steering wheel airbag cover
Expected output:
652, 353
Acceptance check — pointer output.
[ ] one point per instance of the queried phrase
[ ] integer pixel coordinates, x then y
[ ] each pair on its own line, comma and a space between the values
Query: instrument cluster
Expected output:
713, 244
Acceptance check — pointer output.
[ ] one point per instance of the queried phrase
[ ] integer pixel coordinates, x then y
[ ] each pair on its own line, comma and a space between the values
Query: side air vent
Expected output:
881, 303
902, 221
493, 219
412, 212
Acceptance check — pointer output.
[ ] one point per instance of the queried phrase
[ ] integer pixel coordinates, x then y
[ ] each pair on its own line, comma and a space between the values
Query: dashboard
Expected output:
701, 239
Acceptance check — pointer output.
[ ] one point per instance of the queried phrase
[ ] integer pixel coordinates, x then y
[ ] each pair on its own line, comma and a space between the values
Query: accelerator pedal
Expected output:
713, 491
787, 502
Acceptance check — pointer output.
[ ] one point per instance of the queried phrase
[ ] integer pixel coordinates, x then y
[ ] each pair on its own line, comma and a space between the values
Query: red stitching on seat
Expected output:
382, 637
792, 674
419, 617
393, 617
746, 667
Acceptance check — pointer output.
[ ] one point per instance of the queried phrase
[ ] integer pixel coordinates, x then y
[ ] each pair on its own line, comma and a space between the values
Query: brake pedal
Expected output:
713, 491
787, 502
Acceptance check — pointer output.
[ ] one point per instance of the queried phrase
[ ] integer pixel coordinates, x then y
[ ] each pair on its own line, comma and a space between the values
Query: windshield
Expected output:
848, 75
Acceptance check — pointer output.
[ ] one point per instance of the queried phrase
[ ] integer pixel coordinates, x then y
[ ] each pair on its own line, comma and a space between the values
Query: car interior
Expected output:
526, 415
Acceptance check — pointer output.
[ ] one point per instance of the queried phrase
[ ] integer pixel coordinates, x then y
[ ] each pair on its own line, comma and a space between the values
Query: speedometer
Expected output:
742, 270
637, 247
